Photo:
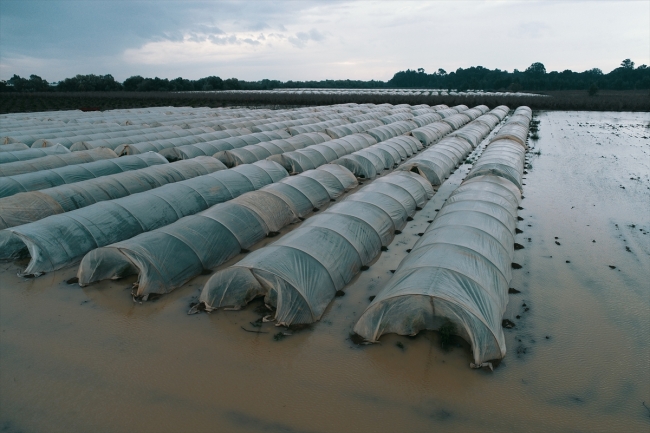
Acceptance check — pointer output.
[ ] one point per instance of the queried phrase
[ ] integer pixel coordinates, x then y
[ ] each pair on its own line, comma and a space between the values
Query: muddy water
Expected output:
90, 359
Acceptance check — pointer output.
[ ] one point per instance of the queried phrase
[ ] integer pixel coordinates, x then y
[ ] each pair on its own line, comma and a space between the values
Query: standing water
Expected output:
74, 359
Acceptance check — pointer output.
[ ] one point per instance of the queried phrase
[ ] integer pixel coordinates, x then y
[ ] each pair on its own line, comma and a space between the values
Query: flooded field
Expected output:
91, 359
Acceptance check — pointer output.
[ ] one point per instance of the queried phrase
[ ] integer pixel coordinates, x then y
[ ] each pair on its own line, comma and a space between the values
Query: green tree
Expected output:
536, 68
627, 64
593, 89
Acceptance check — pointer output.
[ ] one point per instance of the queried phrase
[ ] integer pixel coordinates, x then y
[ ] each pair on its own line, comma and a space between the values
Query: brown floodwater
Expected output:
91, 359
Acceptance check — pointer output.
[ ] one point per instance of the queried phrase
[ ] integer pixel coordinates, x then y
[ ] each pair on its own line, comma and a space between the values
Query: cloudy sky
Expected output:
314, 40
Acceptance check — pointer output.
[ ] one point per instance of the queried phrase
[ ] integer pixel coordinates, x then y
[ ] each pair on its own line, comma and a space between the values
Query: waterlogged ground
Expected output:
578, 360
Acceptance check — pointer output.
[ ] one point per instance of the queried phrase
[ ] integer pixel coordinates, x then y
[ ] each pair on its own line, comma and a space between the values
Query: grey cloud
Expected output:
223, 40
301, 38
211, 30
258, 26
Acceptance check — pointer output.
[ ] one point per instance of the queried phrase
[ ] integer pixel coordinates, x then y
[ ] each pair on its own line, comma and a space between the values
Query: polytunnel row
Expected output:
61, 240
301, 273
168, 257
26, 207
174, 151
324, 154
112, 139
210, 148
370, 162
38, 138
113, 143
108, 137
351, 128
439, 161
54, 161
86, 137
51, 120
27, 153
13, 147
37, 180
457, 273
256, 152
316, 127
158, 145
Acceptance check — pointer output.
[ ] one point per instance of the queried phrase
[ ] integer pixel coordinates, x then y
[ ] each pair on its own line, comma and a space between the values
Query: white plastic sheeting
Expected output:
23, 155
459, 270
27, 207
429, 134
36, 137
113, 143
54, 161
314, 156
211, 147
457, 120
501, 111
439, 161
370, 162
301, 272
425, 119
80, 134
501, 158
42, 179
284, 124
168, 257
396, 118
368, 116
158, 145
18, 146
382, 133
316, 127
513, 131
61, 240
352, 128
256, 152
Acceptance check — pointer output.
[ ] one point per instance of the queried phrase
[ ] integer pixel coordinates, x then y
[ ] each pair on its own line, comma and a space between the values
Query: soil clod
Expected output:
508, 324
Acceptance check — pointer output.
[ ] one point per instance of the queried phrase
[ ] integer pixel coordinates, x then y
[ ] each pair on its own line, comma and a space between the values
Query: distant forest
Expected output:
534, 78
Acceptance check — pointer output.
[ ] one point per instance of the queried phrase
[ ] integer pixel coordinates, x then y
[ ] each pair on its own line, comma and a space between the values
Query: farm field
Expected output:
606, 100
93, 358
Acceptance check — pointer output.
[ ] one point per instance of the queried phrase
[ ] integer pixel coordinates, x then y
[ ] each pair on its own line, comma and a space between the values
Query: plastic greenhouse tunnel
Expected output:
23, 155
10, 185
27, 207
168, 257
300, 273
457, 273
256, 152
62, 240
209, 148
54, 161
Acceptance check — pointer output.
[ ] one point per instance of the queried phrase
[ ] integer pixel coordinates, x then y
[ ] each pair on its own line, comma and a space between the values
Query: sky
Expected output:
314, 40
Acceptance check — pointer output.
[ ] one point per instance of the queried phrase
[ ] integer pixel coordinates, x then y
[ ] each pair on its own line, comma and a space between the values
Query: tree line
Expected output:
535, 77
